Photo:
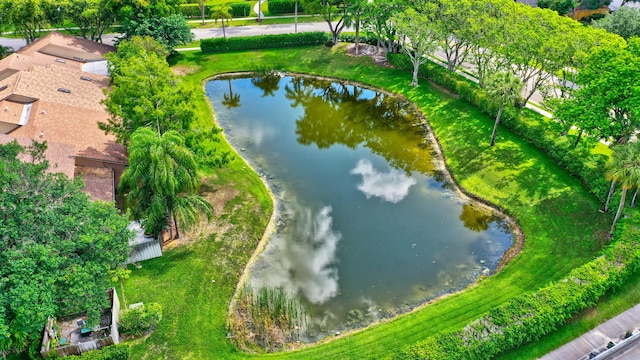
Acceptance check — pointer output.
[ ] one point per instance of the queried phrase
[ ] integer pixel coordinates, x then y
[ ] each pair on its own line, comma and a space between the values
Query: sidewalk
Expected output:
594, 344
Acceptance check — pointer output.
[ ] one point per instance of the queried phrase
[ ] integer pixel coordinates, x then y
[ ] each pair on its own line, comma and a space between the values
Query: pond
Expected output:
367, 225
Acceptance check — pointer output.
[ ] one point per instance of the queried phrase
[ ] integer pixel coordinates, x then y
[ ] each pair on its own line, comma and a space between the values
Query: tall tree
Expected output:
607, 105
170, 31
27, 17
625, 22
161, 181
334, 13
90, 17
417, 29
376, 19
145, 93
503, 88
56, 246
449, 17
624, 169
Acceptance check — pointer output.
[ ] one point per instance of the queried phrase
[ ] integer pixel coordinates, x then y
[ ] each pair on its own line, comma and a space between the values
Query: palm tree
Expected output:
503, 87
624, 169
222, 12
161, 181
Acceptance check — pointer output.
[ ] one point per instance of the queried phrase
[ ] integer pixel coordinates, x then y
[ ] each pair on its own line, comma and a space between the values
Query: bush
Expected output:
529, 317
193, 11
137, 321
214, 45
240, 9
277, 7
544, 134
351, 38
113, 352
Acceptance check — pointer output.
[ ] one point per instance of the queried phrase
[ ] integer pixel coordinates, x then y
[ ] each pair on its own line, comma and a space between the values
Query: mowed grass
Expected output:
560, 220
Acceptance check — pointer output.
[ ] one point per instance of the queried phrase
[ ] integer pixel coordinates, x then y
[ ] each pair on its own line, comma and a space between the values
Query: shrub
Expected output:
240, 9
137, 321
544, 134
193, 11
214, 45
113, 352
351, 38
277, 7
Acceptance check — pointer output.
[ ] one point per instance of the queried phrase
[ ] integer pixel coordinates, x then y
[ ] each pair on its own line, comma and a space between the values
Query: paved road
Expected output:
596, 340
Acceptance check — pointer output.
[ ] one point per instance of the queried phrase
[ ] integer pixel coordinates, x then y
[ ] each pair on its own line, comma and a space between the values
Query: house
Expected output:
71, 335
52, 90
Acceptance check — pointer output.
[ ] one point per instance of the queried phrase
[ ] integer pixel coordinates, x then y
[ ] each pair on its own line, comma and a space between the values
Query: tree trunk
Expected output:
611, 190
202, 9
296, 17
224, 34
357, 37
622, 200
578, 139
495, 126
635, 195
416, 67
175, 223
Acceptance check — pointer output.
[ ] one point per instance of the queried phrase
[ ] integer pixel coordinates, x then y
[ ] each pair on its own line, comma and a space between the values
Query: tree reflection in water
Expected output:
337, 113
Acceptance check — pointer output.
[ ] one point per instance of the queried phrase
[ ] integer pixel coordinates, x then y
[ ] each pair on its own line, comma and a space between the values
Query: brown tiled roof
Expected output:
61, 157
85, 48
98, 182
10, 112
44, 82
69, 124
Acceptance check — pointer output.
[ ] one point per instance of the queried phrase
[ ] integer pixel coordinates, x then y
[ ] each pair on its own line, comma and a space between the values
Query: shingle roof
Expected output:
61, 157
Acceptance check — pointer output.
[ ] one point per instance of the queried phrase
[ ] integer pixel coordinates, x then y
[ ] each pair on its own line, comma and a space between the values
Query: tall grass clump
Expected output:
268, 319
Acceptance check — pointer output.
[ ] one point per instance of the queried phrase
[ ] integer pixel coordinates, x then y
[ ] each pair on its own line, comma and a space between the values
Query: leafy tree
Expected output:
91, 17
27, 17
449, 16
4, 51
356, 9
145, 92
56, 246
170, 31
147, 9
562, 7
624, 169
160, 182
593, 4
416, 27
606, 105
625, 22
221, 12
334, 12
376, 19
504, 88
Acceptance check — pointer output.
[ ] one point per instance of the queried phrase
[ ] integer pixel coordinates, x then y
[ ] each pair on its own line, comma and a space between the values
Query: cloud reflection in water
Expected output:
308, 249
392, 186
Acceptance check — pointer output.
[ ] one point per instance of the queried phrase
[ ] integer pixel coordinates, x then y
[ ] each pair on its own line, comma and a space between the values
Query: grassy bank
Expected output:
194, 283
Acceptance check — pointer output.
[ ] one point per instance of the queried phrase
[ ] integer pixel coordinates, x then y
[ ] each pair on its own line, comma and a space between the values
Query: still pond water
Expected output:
367, 227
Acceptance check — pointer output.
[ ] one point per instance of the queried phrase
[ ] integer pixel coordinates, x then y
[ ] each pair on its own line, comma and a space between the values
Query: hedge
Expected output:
193, 11
350, 37
528, 317
544, 134
277, 7
113, 352
242, 9
214, 45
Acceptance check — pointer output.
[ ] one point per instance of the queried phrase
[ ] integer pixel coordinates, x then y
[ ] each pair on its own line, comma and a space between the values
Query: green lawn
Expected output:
560, 220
